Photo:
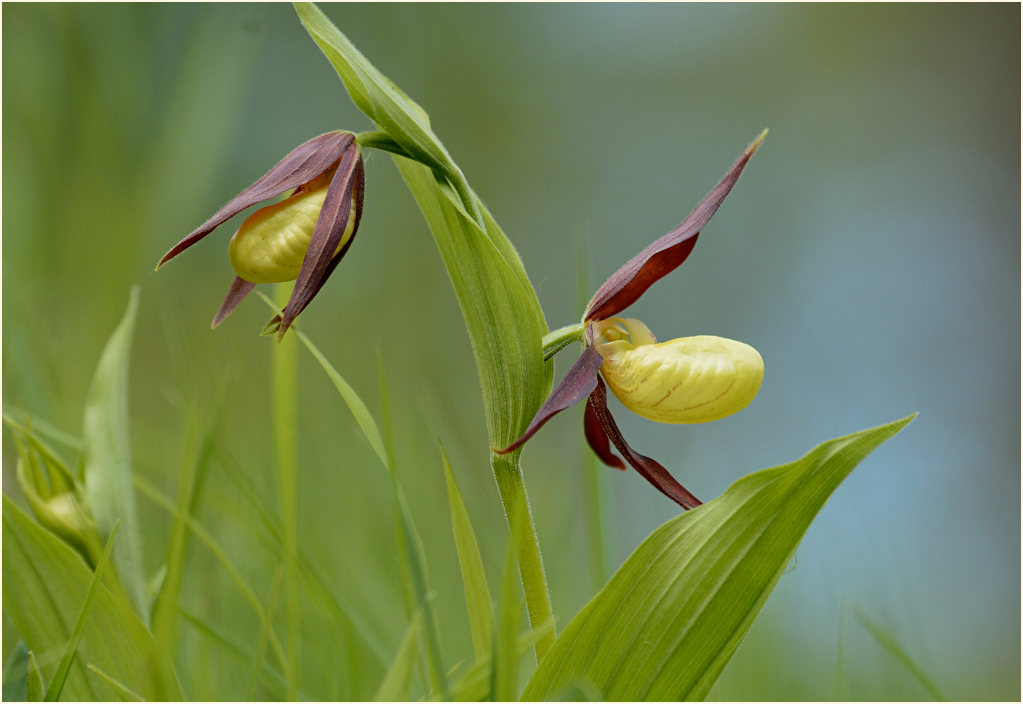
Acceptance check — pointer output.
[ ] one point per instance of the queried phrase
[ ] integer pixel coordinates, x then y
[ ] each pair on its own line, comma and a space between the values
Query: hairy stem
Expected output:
527, 547
557, 340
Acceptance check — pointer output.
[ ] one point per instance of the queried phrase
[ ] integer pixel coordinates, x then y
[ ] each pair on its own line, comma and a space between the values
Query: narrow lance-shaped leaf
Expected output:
670, 619
35, 690
108, 472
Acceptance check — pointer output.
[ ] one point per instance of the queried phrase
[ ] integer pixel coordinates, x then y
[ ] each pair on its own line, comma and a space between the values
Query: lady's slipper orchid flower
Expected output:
301, 238
688, 380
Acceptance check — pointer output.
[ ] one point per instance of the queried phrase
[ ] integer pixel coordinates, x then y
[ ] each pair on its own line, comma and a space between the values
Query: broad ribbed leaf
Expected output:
505, 324
44, 585
669, 620
108, 475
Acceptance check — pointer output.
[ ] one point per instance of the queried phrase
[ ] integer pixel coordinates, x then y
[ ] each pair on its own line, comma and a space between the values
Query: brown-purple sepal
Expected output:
649, 468
304, 163
661, 257
577, 385
239, 289
344, 193
597, 438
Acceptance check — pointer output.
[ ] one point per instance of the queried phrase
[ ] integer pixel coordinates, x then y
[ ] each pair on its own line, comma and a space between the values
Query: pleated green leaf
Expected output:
44, 586
669, 620
478, 604
108, 474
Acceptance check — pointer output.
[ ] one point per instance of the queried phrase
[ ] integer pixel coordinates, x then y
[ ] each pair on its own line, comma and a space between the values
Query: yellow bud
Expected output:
271, 243
688, 380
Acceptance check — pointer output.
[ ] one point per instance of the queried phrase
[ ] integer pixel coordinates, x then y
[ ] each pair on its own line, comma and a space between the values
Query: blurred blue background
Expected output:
870, 253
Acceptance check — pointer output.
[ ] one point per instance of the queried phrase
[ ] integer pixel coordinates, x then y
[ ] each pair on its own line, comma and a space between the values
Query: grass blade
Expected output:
264, 635
505, 678
892, 646
478, 604
396, 683
64, 666
123, 693
285, 417
207, 539
108, 473
669, 620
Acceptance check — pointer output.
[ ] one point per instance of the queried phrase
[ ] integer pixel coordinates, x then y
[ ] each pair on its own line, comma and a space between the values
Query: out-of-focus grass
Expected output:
875, 240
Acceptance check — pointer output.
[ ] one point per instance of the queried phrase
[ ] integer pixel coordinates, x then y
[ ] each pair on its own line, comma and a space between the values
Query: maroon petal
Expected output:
577, 385
651, 469
597, 438
630, 282
345, 192
302, 164
239, 289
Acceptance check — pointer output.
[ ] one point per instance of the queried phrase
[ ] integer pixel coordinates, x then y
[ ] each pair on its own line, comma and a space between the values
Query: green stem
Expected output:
557, 340
527, 547
284, 389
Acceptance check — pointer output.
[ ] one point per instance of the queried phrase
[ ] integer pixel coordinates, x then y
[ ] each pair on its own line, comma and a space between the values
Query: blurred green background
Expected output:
870, 252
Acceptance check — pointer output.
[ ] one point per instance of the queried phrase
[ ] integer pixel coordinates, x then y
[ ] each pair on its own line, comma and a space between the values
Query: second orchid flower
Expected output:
303, 237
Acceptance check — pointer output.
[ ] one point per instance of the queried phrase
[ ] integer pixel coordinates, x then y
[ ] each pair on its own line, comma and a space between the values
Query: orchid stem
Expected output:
557, 340
527, 548
284, 390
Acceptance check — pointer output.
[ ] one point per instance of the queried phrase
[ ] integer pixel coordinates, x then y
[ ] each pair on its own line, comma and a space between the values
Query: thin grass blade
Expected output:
44, 585
124, 693
396, 683
478, 604
892, 646
64, 666
505, 682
